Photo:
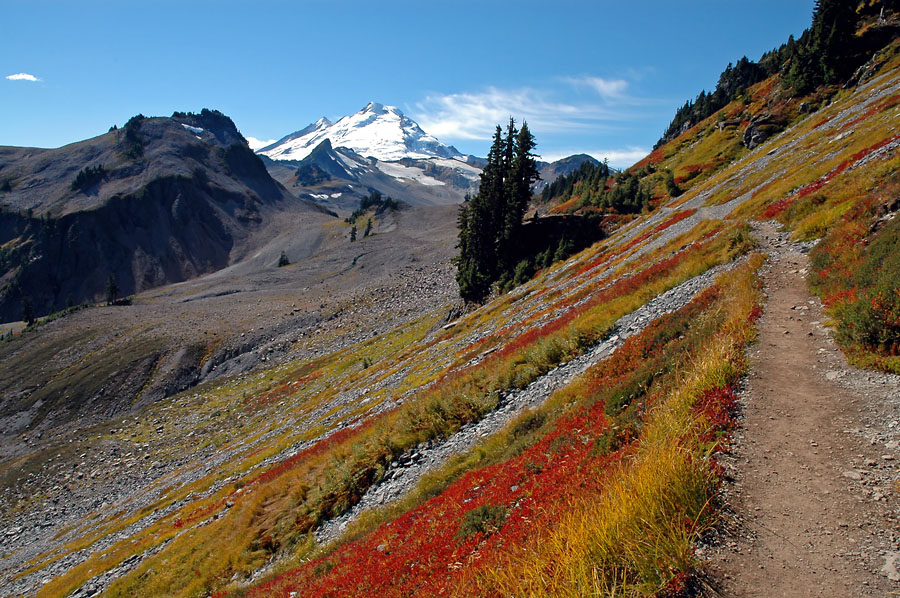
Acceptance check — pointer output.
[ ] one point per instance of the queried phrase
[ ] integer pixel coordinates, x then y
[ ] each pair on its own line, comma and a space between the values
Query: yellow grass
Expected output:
634, 540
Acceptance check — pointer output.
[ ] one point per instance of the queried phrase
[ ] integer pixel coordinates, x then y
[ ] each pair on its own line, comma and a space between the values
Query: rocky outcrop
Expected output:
550, 171
760, 128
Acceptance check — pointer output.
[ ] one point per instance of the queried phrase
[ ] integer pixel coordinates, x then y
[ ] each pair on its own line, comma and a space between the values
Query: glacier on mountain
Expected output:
377, 131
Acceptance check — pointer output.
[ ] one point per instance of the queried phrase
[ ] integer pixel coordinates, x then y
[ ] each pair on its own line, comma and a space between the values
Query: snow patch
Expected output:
350, 162
194, 130
399, 171
467, 170
256, 144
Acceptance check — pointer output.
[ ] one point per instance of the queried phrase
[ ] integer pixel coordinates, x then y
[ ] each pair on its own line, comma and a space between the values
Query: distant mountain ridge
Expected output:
550, 171
338, 177
380, 148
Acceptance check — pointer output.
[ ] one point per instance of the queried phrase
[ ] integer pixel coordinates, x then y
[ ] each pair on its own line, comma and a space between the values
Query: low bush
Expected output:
871, 317
484, 520
88, 177
856, 272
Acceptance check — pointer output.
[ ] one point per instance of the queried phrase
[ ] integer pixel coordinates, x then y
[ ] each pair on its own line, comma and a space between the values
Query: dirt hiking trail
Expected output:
814, 463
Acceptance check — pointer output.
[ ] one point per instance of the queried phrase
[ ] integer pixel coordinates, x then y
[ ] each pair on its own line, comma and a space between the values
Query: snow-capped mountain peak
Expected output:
377, 131
322, 123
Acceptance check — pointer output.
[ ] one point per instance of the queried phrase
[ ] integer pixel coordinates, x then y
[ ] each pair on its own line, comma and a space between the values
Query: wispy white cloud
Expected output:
473, 115
563, 113
618, 158
22, 77
256, 144
569, 105
607, 88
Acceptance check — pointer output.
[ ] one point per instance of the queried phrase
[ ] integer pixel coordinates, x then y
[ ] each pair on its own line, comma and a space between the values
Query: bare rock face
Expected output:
161, 200
760, 128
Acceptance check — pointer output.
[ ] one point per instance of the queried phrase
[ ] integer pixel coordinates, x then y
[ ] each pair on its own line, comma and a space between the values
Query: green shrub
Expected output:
804, 207
134, 142
529, 423
871, 318
563, 250
88, 177
523, 273
485, 519
620, 397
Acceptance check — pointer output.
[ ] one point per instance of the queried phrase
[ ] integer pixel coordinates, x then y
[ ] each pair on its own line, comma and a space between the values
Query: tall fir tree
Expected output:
489, 222
28, 311
523, 173
112, 289
833, 37
827, 52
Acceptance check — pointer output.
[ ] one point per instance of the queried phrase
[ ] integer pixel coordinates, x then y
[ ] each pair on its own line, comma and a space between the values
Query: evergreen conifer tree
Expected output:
671, 186
522, 174
489, 223
28, 311
112, 289
826, 52
833, 33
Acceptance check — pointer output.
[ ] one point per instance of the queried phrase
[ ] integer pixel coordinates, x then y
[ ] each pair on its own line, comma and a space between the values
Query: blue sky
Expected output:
602, 77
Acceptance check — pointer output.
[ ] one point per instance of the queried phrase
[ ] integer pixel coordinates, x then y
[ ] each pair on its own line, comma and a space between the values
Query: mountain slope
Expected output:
570, 437
550, 171
159, 201
378, 148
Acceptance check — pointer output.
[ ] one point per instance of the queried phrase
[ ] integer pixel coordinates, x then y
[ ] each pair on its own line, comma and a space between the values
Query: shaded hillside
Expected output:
106, 361
160, 200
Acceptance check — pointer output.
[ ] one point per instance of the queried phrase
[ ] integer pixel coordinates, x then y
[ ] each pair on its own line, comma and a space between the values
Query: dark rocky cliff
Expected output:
161, 200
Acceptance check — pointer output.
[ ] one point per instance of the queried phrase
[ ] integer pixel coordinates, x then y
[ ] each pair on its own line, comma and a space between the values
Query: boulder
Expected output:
760, 128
